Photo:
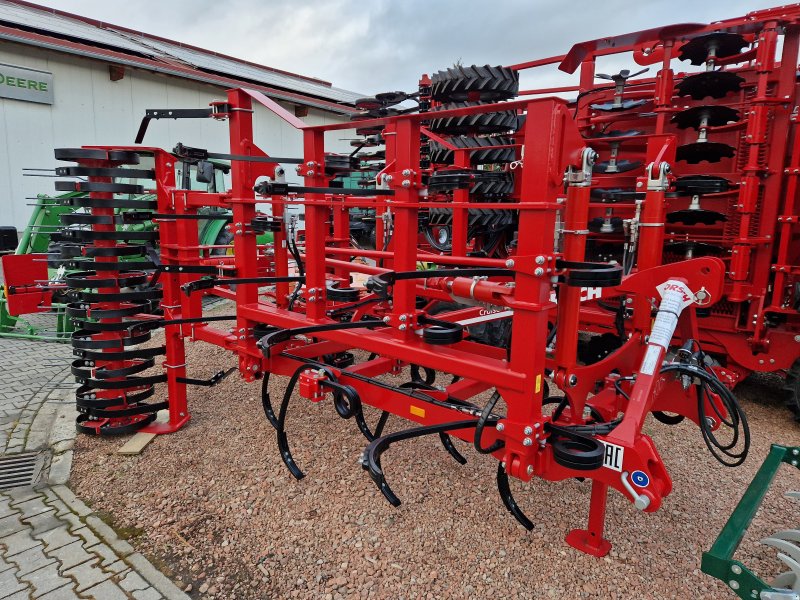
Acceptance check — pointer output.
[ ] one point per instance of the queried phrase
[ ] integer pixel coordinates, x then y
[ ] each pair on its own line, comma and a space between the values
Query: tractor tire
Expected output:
474, 83
224, 238
484, 152
493, 122
791, 389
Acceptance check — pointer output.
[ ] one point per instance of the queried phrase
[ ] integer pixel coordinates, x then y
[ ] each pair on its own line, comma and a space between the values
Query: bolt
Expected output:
573, 380
530, 470
386, 319
503, 464
312, 299
539, 272
795, 452
499, 427
510, 264
528, 430
310, 163
540, 260
402, 327
309, 173
388, 179
527, 442
406, 183
406, 172
736, 569
734, 584
403, 318
794, 463
537, 425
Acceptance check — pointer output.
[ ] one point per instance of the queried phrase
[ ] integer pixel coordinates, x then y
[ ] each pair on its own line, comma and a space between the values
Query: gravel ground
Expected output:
215, 505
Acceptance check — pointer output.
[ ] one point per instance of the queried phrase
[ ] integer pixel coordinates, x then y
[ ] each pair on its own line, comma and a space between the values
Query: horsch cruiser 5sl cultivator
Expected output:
635, 249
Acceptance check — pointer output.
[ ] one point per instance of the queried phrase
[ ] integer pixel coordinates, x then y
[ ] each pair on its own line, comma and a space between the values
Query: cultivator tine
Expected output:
511, 505
786, 547
451, 449
795, 495
373, 452
790, 579
364, 428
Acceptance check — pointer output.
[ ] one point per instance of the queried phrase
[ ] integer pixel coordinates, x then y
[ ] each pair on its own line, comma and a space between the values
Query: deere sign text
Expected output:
29, 85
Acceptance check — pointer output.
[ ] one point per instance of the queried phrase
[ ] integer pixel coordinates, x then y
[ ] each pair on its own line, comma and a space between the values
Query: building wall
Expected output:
91, 109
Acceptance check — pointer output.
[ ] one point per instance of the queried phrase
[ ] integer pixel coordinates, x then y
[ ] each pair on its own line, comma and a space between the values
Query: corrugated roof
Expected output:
81, 30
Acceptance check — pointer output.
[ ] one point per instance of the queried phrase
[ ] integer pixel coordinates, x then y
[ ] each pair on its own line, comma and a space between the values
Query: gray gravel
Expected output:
215, 505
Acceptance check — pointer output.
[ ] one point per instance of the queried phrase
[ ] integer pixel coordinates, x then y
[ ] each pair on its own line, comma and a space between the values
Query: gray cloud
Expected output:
381, 45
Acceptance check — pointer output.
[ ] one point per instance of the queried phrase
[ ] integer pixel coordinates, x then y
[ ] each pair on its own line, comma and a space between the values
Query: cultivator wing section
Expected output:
543, 273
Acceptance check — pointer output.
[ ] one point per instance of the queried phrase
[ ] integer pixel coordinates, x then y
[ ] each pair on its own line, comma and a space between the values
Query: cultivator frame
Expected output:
307, 321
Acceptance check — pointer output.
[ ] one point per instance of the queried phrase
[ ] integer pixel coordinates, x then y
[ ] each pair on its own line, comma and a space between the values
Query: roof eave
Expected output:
49, 43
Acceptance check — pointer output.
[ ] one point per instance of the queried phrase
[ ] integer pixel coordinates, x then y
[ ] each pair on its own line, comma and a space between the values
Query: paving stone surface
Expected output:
51, 545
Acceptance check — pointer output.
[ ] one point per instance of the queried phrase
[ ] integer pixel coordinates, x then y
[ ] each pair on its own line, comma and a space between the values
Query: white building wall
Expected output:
90, 109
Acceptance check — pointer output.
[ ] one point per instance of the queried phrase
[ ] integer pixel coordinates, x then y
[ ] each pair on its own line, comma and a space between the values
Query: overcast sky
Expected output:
380, 45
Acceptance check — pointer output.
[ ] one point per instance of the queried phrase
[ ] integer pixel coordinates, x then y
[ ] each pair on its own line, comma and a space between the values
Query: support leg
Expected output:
591, 540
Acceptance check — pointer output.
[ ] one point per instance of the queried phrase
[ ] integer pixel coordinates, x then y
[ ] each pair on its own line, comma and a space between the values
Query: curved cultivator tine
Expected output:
795, 495
508, 498
451, 449
372, 454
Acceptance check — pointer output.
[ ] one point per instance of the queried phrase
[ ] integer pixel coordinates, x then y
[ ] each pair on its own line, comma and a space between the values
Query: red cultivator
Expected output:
569, 266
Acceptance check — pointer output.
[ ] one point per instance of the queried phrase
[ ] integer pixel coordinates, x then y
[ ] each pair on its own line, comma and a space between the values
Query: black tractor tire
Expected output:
491, 122
474, 83
484, 153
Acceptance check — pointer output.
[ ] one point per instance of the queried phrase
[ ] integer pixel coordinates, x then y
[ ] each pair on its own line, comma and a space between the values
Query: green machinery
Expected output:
719, 562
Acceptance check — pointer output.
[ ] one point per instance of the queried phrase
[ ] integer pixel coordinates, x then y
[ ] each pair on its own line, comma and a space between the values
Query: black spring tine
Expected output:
508, 498
283, 442
373, 451
364, 428
266, 402
451, 449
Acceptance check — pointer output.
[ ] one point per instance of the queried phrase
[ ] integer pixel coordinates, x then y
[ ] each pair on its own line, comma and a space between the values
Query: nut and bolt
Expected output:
736, 569
407, 172
386, 319
406, 183
310, 163
540, 260
539, 272
530, 470
528, 430
734, 584
312, 298
499, 427
402, 327
527, 442
403, 318
510, 264
573, 380
309, 173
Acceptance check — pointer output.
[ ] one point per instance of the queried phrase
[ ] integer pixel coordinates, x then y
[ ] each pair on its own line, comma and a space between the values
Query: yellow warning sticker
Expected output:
417, 411
538, 383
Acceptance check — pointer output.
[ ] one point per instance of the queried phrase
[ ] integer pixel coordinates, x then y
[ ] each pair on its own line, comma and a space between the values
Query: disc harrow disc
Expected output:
714, 115
691, 185
695, 217
614, 107
697, 152
621, 166
714, 84
722, 45
694, 249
